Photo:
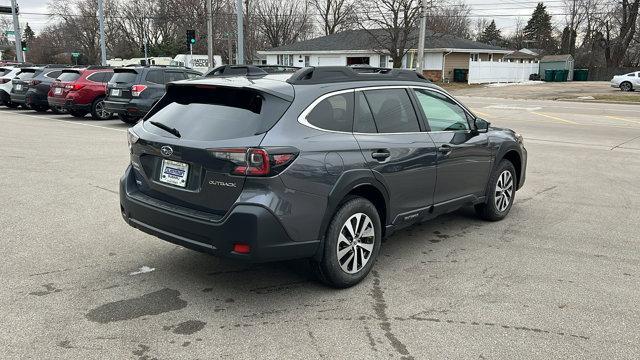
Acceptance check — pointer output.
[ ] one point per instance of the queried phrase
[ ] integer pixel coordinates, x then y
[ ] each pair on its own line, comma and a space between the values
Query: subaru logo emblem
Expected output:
166, 150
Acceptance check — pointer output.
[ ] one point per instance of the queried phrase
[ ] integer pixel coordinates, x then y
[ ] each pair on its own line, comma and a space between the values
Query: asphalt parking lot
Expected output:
559, 278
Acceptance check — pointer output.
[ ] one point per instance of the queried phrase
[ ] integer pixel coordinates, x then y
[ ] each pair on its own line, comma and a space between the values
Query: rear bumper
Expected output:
34, 98
68, 104
250, 224
133, 107
18, 98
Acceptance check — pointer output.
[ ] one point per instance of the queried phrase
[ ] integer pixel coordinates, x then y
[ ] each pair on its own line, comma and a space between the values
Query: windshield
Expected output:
217, 113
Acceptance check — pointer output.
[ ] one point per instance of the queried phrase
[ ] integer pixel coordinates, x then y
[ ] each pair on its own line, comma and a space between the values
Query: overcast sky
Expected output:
504, 12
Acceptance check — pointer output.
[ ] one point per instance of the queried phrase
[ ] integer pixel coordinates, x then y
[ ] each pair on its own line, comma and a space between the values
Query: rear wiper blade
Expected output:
166, 128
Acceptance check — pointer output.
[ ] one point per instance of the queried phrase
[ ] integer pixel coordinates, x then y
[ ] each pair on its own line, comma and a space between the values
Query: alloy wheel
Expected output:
100, 110
504, 190
355, 243
625, 86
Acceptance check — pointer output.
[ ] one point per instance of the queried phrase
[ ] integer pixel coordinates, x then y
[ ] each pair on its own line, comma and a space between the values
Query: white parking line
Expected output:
65, 121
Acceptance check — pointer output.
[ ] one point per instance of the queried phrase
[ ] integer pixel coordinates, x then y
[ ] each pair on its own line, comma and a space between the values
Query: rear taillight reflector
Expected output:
4, 81
241, 248
73, 87
254, 161
136, 90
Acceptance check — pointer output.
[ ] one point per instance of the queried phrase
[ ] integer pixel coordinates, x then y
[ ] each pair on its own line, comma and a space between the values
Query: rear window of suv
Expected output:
24, 75
209, 114
69, 76
124, 77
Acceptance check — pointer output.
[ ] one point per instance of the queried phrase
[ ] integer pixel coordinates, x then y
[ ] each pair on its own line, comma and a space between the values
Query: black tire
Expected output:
489, 209
58, 110
97, 113
128, 119
329, 270
11, 105
626, 86
77, 113
40, 109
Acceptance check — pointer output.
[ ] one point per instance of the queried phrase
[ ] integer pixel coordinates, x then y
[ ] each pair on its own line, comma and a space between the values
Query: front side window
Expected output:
392, 110
333, 113
442, 113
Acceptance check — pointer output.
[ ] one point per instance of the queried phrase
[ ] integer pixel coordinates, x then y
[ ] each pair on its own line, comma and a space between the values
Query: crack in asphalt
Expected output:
380, 308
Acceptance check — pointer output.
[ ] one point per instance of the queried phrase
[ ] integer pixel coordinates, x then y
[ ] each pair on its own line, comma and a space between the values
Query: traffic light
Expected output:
24, 46
191, 37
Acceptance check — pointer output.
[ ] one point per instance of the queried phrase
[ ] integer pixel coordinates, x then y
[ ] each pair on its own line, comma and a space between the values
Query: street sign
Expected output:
75, 54
7, 10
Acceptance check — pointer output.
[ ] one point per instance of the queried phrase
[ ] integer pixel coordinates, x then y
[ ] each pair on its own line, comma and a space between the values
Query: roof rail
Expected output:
332, 74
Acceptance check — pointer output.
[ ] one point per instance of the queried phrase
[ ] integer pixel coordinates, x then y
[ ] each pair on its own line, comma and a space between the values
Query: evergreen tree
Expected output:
28, 34
539, 31
491, 35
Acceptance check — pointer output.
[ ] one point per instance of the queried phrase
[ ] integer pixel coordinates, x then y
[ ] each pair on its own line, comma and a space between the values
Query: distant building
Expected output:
522, 55
443, 53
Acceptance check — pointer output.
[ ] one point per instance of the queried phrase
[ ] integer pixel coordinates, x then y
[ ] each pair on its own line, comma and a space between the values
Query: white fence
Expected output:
494, 71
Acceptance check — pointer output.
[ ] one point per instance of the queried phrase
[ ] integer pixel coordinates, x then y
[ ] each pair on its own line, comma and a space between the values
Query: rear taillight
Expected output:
136, 90
256, 162
34, 82
74, 87
4, 81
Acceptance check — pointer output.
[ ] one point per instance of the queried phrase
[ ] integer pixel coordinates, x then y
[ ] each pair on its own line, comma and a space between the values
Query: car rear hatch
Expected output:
200, 143
65, 82
120, 86
22, 81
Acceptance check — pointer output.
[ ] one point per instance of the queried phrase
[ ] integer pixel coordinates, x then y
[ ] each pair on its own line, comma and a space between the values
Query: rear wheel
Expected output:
128, 118
58, 110
77, 113
40, 108
503, 191
351, 245
626, 86
98, 111
11, 105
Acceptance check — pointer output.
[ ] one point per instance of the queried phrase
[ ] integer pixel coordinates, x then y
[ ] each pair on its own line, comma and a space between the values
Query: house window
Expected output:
475, 57
285, 60
384, 61
357, 60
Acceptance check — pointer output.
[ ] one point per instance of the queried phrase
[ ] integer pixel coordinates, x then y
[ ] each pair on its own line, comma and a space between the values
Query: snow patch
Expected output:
525, 83
143, 270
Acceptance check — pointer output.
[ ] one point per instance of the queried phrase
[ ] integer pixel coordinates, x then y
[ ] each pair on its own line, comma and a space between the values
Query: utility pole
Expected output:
230, 45
421, 38
16, 31
240, 50
103, 48
209, 34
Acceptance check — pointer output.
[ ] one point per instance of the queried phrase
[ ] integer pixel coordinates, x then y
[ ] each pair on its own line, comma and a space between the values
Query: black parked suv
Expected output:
320, 166
132, 91
20, 85
36, 90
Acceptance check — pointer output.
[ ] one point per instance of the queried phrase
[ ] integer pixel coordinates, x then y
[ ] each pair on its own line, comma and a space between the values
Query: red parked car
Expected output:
82, 91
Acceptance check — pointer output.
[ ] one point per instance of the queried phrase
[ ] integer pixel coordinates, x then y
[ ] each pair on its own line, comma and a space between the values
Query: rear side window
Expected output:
124, 77
216, 113
173, 76
95, 77
155, 76
69, 76
53, 74
392, 110
363, 120
333, 113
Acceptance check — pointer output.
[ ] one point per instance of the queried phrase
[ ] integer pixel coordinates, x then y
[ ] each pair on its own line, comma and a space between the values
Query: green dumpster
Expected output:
580, 74
460, 75
558, 76
549, 75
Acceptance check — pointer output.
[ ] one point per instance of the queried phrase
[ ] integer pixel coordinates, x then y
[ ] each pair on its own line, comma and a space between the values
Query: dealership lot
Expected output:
558, 278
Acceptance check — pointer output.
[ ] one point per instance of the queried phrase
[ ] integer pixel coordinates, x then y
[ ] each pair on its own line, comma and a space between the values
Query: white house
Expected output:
443, 53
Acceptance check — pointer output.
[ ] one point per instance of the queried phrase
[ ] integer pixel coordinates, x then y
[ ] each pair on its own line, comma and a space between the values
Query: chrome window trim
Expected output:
302, 118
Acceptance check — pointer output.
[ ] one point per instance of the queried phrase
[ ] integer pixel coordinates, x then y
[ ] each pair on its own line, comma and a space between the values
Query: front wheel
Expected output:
128, 119
501, 194
11, 105
626, 86
351, 245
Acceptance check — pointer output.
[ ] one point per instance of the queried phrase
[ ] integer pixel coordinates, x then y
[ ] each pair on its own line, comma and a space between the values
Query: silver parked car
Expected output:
626, 82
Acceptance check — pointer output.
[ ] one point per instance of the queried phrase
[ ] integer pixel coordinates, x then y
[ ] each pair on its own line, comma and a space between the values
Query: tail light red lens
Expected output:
4, 81
73, 87
136, 90
241, 248
255, 161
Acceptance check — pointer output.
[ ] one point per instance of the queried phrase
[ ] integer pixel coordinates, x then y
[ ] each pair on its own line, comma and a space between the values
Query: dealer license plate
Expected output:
19, 87
174, 173
115, 92
57, 91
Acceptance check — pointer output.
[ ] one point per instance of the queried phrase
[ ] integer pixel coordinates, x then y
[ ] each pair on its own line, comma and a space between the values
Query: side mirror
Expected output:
481, 125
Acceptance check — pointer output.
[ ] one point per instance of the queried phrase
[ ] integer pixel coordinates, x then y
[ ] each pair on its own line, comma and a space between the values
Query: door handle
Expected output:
445, 149
381, 154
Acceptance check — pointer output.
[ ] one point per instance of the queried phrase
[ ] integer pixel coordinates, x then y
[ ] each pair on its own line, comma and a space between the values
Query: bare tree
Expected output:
391, 25
283, 21
451, 19
620, 27
336, 15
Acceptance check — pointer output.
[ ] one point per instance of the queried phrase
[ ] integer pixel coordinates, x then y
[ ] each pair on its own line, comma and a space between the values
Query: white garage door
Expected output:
330, 61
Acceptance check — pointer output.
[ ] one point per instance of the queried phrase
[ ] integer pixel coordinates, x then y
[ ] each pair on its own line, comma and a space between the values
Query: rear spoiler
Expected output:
231, 85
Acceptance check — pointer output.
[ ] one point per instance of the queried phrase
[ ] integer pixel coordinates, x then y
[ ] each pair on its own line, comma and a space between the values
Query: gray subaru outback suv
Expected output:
321, 165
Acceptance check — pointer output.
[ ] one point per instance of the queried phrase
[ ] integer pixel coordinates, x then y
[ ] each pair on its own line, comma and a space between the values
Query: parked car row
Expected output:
100, 91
